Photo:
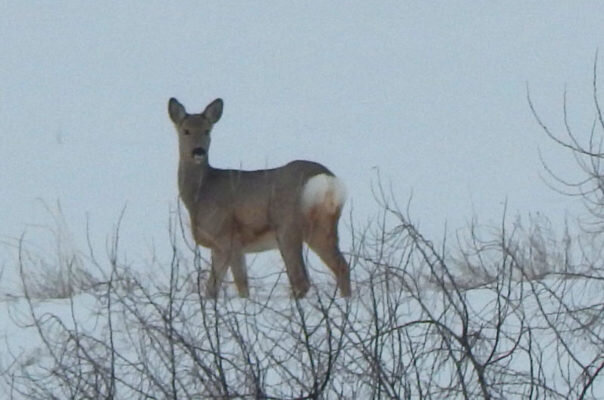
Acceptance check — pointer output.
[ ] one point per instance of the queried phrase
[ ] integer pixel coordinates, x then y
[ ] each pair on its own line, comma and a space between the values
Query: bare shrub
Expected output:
60, 275
588, 153
414, 329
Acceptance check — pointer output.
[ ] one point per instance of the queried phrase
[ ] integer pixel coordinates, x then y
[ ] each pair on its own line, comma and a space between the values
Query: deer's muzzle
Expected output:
198, 154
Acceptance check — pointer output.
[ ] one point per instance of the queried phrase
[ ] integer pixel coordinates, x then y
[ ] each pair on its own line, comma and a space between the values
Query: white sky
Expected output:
431, 93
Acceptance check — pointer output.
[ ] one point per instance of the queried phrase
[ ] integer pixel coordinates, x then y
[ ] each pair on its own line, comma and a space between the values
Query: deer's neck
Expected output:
191, 177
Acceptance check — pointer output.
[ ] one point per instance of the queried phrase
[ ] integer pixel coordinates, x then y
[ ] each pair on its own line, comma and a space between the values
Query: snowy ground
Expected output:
408, 330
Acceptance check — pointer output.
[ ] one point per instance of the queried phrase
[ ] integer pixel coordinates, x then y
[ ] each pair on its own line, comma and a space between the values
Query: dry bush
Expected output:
413, 329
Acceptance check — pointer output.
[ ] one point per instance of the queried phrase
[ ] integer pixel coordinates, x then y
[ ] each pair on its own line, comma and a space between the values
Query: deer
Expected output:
234, 212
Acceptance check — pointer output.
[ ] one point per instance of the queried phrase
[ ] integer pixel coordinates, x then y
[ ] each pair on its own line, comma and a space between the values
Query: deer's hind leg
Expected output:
289, 238
322, 238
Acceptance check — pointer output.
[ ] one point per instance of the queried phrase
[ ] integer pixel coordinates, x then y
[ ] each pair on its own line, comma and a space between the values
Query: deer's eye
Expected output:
186, 132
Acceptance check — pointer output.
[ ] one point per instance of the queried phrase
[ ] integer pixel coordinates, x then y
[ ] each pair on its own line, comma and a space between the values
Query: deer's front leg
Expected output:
220, 264
239, 270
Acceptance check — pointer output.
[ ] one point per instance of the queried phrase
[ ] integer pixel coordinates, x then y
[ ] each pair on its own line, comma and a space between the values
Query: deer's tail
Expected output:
325, 192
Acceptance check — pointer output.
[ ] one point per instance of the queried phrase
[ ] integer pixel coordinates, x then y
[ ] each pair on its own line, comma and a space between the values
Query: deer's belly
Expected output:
260, 242
204, 239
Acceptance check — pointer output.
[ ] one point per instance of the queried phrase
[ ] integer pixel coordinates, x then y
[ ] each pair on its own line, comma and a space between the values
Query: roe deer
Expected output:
234, 212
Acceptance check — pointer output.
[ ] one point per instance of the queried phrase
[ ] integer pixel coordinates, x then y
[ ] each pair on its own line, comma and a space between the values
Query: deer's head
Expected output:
194, 129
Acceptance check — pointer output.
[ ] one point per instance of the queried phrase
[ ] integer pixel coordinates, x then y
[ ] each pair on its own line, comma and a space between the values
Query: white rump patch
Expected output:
325, 190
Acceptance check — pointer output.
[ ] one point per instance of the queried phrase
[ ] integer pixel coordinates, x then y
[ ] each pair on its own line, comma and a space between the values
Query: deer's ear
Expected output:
176, 110
213, 111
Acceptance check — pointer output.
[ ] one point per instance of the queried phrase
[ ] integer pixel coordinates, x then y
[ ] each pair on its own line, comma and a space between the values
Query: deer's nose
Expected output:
198, 152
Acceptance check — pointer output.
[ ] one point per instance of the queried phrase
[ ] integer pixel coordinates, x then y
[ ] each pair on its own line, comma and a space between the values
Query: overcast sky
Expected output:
431, 94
